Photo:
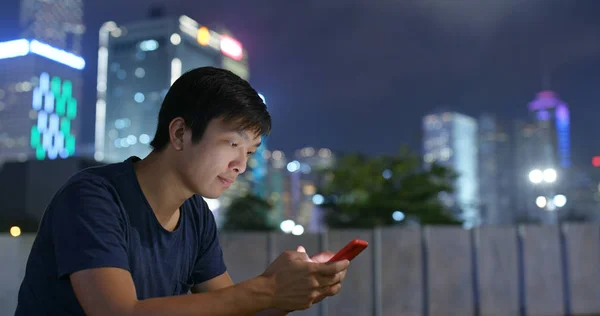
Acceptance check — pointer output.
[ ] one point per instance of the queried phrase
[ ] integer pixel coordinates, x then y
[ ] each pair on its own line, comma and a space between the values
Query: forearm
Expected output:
246, 298
271, 312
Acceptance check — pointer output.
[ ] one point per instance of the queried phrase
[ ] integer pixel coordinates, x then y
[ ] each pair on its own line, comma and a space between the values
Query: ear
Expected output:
177, 129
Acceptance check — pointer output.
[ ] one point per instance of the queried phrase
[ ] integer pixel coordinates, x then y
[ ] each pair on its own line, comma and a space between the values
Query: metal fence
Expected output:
525, 270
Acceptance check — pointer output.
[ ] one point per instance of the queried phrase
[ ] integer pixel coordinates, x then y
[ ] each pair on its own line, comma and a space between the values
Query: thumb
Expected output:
301, 249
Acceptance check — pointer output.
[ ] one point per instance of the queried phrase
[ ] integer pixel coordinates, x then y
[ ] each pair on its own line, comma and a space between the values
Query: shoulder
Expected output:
101, 179
88, 190
199, 208
200, 214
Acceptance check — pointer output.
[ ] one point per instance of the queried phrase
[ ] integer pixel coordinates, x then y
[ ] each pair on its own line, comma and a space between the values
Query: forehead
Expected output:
222, 127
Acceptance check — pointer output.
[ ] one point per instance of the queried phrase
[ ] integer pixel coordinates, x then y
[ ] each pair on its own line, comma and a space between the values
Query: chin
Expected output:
212, 194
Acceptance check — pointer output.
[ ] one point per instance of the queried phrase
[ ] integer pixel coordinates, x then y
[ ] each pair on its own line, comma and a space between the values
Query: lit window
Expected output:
144, 139
140, 72
139, 97
175, 39
149, 45
113, 134
114, 67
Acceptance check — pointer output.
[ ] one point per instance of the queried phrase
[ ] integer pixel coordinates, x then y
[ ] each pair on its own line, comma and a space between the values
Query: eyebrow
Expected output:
245, 137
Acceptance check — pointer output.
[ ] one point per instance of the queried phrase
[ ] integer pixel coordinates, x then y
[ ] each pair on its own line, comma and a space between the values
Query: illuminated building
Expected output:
305, 178
137, 63
542, 143
40, 90
451, 139
57, 23
552, 117
496, 172
258, 166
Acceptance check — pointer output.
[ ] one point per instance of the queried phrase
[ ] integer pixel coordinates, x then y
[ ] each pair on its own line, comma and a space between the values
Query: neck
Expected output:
162, 188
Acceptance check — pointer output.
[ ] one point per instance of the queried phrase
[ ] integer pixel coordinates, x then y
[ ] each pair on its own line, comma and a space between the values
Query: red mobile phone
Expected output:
350, 251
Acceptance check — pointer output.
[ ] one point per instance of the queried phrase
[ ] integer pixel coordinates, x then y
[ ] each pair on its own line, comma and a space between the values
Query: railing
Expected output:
526, 270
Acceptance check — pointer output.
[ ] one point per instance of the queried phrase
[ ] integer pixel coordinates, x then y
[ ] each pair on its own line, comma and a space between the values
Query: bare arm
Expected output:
111, 291
224, 281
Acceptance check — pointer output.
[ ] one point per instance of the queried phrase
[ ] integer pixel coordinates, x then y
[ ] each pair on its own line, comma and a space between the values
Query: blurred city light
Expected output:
536, 176
287, 226
318, 199
387, 173
149, 45
175, 70
15, 231
541, 202
596, 161
203, 36
398, 216
560, 200
175, 39
549, 175
231, 47
263, 98
298, 230
22, 47
293, 166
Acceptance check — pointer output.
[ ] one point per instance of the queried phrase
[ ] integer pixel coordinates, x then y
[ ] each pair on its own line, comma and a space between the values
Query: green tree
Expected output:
364, 192
248, 213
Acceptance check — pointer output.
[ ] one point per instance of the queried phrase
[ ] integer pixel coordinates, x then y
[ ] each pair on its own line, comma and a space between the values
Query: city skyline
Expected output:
476, 58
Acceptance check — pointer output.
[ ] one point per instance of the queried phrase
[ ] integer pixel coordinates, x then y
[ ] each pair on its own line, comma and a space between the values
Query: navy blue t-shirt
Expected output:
100, 218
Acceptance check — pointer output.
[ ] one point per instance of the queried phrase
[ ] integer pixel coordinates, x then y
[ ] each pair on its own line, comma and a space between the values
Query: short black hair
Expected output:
206, 93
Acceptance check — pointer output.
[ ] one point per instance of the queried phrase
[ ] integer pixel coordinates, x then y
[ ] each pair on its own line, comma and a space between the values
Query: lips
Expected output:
226, 181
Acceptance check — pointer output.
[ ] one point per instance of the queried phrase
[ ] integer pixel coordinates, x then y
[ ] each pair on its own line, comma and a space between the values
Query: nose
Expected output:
239, 165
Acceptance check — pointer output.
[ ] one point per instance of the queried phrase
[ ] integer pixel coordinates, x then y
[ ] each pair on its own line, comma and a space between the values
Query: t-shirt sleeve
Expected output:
88, 228
210, 262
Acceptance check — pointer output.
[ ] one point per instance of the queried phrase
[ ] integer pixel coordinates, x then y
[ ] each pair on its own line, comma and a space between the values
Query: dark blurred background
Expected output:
478, 115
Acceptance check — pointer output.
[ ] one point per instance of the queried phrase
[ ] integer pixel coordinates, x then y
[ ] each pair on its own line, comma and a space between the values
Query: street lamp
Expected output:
549, 175
541, 202
558, 201
537, 176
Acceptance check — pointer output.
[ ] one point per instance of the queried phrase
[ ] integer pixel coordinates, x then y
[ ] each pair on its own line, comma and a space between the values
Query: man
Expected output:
129, 238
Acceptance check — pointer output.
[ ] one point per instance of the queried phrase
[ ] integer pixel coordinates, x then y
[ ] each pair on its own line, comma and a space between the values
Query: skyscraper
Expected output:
552, 118
40, 91
496, 172
56, 22
450, 139
137, 63
543, 157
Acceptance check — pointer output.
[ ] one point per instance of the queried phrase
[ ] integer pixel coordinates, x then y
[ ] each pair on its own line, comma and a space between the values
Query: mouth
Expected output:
226, 182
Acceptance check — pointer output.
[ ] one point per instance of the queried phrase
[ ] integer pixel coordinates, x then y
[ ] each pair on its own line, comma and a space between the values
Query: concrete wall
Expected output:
527, 270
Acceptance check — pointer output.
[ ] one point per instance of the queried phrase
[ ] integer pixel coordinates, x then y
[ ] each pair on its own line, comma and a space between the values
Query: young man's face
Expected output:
210, 166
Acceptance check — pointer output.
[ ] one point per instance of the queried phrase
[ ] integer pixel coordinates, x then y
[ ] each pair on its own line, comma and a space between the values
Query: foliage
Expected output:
248, 213
364, 192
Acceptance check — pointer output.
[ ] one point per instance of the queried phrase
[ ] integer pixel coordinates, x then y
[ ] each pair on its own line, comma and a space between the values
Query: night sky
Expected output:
359, 75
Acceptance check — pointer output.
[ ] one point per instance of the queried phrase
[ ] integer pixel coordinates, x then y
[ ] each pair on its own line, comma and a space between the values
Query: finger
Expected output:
343, 275
328, 291
332, 268
327, 281
323, 256
299, 256
301, 249
333, 290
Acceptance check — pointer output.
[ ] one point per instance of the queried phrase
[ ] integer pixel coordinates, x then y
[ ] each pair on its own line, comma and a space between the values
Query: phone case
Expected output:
351, 250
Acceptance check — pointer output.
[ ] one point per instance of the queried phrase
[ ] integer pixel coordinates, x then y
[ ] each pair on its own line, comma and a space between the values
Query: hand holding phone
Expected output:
350, 251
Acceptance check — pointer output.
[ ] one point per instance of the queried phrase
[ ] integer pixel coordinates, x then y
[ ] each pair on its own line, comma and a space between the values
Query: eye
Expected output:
250, 153
233, 144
